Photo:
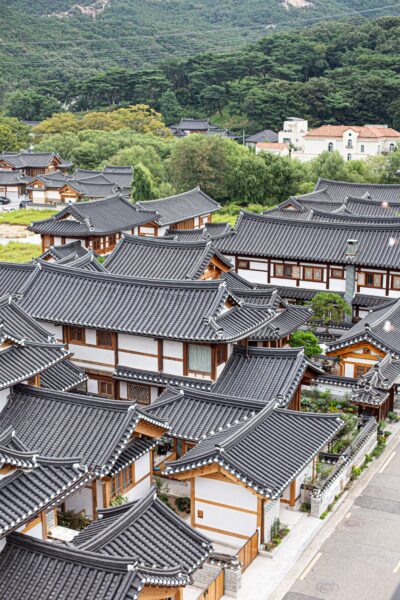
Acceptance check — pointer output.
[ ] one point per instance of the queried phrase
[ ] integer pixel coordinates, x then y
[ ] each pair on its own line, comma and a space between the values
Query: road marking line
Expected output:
387, 461
397, 567
348, 515
310, 566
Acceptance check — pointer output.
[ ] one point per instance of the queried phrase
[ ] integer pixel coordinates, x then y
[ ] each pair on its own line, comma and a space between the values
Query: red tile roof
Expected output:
364, 131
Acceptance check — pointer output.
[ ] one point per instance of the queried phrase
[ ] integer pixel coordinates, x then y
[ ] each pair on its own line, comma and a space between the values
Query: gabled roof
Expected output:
32, 569
266, 374
267, 135
374, 386
21, 160
150, 532
11, 177
63, 376
194, 124
181, 207
193, 414
26, 349
189, 310
152, 258
46, 482
260, 235
64, 424
211, 231
363, 131
380, 327
102, 217
13, 276
159, 378
267, 452
65, 250
338, 190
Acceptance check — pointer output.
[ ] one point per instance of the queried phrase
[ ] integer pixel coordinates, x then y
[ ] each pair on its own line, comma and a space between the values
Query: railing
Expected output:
249, 551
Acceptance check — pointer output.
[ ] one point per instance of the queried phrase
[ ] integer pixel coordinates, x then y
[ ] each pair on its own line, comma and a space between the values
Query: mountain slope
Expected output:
64, 39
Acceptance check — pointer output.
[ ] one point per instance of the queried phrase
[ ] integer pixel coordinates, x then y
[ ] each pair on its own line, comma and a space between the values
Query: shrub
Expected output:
183, 503
393, 417
73, 520
118, 500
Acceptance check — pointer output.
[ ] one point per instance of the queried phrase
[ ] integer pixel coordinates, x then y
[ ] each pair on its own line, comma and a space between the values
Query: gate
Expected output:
249, 551
215, 590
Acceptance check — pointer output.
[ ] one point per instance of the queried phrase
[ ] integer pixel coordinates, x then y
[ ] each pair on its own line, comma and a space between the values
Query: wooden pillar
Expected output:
292, 501
192, 501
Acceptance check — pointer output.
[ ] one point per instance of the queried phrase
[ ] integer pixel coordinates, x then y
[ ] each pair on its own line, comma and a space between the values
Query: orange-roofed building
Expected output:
281, 149
352, 141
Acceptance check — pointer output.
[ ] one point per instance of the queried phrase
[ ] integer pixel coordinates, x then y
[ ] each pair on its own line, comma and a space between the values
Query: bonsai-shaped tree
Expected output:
306, 339
327, 307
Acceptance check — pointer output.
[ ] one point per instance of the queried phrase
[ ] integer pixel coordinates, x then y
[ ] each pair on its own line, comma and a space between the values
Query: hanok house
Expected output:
96, 225
375, 390
134, 336
189, 210
12, 184
32, 568
346, 257
210, 231
114, 441
159, 258
28, 353
57, 253
368, 341
84, 263
240, 476
31, 486
58, 188
152, 534
33, 163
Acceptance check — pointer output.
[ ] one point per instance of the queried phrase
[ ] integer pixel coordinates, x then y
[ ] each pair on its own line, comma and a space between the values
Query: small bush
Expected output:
118, 500
73, 520
183, 503
393, 417
305, 507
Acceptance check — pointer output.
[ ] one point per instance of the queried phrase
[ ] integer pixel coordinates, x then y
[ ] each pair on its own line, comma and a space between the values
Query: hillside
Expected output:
64, 39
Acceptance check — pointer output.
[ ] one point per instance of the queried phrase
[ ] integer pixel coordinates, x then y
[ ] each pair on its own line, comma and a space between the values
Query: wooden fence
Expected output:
215, 590
249, 551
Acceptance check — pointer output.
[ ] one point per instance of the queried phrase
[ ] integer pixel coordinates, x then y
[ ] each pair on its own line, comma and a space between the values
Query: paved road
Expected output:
361, 558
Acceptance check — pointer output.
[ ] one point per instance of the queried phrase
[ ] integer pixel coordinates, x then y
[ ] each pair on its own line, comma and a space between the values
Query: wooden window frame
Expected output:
99, 343
392, 286
141, 385
363, 368
105, 382
313, 278
285, 275
243, 264
76, 340
221, 354
188, 372
337, 269
372, 274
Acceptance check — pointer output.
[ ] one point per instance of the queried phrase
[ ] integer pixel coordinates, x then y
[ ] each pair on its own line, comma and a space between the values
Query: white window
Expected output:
362, 149
199, 358
330, 147
349, 157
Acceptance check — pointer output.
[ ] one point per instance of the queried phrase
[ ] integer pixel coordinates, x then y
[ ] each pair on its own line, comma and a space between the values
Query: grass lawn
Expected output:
19, 252
25, 217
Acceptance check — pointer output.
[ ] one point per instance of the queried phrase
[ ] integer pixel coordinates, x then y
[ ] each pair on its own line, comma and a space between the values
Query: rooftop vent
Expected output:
351, 247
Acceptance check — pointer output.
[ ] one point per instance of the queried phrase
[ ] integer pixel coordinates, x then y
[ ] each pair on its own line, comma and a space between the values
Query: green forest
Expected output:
333, 72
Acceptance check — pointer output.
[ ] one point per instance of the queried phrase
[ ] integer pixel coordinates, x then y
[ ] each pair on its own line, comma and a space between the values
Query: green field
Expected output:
19, 252
25, 217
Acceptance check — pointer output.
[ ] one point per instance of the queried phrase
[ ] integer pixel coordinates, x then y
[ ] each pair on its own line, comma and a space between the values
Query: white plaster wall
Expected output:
139, 490
172, 366
139, 343
144, 229
259, 265
123, 389
36, 532
92, 386
3, 397
173, 349
307, 472
91, 336
348, 370
53, 329
93, 355
137, 361
142, 466
226, 520
220, 368
337, 285
81, 500
225, 493
153, 393
100, 501
2, 544
372, 291
57, 241
253, 276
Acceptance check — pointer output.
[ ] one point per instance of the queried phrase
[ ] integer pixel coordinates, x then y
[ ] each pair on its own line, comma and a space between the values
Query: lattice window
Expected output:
139, 393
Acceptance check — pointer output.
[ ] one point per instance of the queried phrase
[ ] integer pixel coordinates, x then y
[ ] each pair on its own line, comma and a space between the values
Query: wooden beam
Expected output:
150, 429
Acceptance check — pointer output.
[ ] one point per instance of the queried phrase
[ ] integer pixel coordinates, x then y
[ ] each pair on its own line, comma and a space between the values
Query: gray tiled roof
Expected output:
24, 494
32, 569
87, 262
11, 177
191, 310
267, 135
267, 452
13, 276
65, 250
160, 258
64, 376
286, 321
373, 387
65, 424
136, 447
148, 530
381, 327
27, 348
260, 235
265, 374
195, 124
102, 217
367, 301
338, 190
29, 159
210, 231
160, 378
364, 207
192, 414
181, 207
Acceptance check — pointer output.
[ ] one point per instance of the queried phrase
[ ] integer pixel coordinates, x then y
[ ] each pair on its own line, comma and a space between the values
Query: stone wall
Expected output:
210, 570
